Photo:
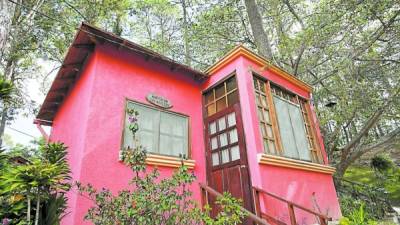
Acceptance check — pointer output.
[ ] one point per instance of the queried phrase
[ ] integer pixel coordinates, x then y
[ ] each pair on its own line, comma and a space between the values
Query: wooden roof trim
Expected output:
263, 62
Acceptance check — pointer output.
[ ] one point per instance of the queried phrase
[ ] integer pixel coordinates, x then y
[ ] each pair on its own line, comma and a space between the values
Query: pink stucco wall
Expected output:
90, 121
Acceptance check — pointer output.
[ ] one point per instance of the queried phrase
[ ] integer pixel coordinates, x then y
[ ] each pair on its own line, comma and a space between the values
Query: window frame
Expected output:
189, 150
305, 110
225, 95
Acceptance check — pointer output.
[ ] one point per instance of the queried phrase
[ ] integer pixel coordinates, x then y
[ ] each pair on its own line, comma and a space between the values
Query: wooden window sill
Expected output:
168, 161
295, 164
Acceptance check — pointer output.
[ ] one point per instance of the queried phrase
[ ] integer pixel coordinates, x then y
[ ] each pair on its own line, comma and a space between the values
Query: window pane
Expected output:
213, 127
225, 156
299, 132
146, 139
148, 120
215, 159
231, 119
233, 136
219, 91
221, 124
221, 104
173, 124
223, 139
269, 131
271, 146
231, 84
265, 143
209, 96
285, 128
263, 130
264, 102
260, 114
235, 153
266, 116
211, 109
233, 98
159, 132
214, 143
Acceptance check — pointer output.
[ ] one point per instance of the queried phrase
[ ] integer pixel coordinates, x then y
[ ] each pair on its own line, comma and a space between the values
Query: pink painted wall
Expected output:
96, 119
292, 184
69, 127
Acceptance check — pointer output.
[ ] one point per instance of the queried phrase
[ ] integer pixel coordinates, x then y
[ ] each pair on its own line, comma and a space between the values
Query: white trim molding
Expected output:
294, 164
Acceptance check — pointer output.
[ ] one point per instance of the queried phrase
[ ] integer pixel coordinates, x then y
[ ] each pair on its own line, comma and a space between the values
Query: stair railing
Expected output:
206, 191
323, 219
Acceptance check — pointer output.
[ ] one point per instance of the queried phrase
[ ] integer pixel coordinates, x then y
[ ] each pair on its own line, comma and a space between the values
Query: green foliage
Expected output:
390, 183
44, 178
357, 217
382, 163
152, 199
6, 89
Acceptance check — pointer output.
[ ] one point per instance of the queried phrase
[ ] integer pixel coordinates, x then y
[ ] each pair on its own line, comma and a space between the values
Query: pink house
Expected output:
245, 126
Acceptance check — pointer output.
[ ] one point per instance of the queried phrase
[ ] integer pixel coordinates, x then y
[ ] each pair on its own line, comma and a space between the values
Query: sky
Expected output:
22, 130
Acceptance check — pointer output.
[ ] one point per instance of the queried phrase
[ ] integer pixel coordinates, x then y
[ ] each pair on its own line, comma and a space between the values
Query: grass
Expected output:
366, 175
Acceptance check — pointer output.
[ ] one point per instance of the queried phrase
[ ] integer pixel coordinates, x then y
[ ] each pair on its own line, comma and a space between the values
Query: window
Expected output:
222, 96
224, 141
284, 123
160, 132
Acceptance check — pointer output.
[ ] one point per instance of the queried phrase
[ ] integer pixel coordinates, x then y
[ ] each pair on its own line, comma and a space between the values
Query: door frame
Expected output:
248, 203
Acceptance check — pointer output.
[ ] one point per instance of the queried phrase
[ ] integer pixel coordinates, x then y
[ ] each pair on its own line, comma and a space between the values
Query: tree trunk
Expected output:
3, 124
37, 209
185, 33
256, 23
28, 212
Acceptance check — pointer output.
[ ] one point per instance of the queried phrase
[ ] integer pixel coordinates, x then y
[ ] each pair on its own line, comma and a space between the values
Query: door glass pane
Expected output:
214, 143
299, 132
235, 154
231, 119
223, 139
221, 124
213, 127
285, 128
215, 159
233, 136
225, 156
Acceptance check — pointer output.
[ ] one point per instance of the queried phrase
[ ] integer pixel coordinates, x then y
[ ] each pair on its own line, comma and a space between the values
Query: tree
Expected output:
44, 179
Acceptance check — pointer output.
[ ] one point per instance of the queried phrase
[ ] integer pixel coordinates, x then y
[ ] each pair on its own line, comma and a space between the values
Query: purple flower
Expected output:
6, 221
132, 119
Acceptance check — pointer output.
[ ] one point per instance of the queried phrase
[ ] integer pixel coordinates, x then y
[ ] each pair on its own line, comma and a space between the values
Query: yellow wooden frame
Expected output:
168, 161
261, 61
280, 161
